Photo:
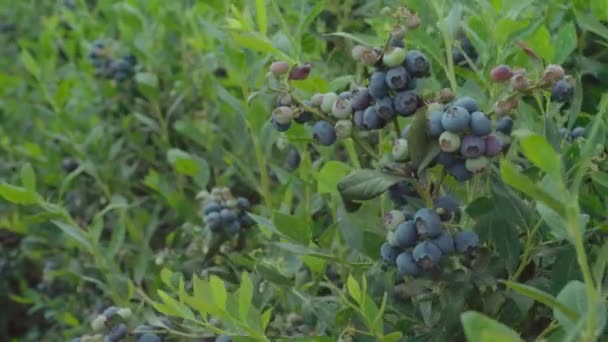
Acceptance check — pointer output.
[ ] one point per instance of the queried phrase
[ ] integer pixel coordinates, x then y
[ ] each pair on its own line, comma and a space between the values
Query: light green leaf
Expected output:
260, 11
245, 295
74, 232
174, 307
564, 43
30, 64
354, 289
330, 175
219, 291
292, 227
28, 177
481, 328
539, 152
544, 298
17, 194
541, 43
574, 296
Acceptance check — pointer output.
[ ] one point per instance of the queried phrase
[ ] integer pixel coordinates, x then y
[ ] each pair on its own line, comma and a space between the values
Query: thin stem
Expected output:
397, 128
527, 249
447, 41
365, 146
549, 329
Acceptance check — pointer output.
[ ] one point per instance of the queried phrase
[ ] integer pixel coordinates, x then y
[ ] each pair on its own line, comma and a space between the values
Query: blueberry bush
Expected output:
303, 170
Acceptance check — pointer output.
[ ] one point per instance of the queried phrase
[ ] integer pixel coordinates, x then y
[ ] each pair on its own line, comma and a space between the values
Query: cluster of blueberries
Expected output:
570, 135
114, 332
107, 67
417, 243
390, 92
224, 213
465, 136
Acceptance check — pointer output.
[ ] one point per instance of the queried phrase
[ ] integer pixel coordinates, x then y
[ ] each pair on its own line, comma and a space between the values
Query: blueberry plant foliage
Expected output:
303, 170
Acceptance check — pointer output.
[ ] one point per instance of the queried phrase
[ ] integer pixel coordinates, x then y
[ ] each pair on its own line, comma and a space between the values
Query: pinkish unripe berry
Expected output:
552, 74
520, 82
300, 72
279, 68
501, 73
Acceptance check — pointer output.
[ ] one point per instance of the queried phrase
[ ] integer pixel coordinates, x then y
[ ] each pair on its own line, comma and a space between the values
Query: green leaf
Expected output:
17, 194
30, 64
354, 289
359, 39
148, 84
365, 184
219, 291
28, 177
75, 233
174, 307
269, 273
245, 295
361, 230
481, 328
541, 43
421, 147
258, 43
393, 337
539, 152
292, 227
260, 11
574, 296
589, 22
544, 298
565, 42
330, 175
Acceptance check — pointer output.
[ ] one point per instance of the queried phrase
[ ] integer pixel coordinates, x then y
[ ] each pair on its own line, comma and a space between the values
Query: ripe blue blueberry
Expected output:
304, 116
399, 192
223, 338
377, 85
389, 253
472, 146
466, 241
467, 103
358, 118
493, 145
504, 125
341, 109
245, 220
445, 242
562, 91
361, 99
233, 227
564, 133
149, 337
227, 215
346, 95
480, 124
433, 124
449, 142
213, 221
384, 108
117, 333
459, 171
280, 127
578, 132
427, 255
447, 207
292, 160
397, 78
211, 207
371, 119
243, 203
324, 133
455, 119
406, 102
406, 265
412, 83
327, 103
392, 219
447, 159
428, 223
406, 234
417, 64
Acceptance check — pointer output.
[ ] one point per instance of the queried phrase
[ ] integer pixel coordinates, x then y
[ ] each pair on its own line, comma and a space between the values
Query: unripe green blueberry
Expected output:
449, 142
99, 323
477, 165
357, 52
341, 109
343, 128
316, 100
282, 115
392, 219
400, 151
124, 313
435, 107
394, 57
328, 102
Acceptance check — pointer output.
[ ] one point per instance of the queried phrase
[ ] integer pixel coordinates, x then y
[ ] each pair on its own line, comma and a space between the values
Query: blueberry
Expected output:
361, 99
501, 73
447, 159
406, 234
417, 64
377, 85
472, 146
449, 142
455, 119
233, 227
211, 207
223, 338
110, 311
477, 165
553, 73
399, 150
384, 108
406, 265
341, 109
433, 124
466, 241
280, 127
292, 160
357, 52
467, 103
445, 242
396, 78
427, 255
562, 91
389, 253
428, 223
69, 165
149, 337
563, 132
324, 133
392, 219
300, 72
578, 132
343, 128
406, 102
282, 115
304, 116
504, 125
480, 124
316, 100
460, 172
467, 47
284, 100
117, 333
399, 192
493, 145
404, 131
371, 119
328, 102
279, 68
227, 215
246, 221
395, 42
358, 118
447, 207
346, 95
393, 57
412, 83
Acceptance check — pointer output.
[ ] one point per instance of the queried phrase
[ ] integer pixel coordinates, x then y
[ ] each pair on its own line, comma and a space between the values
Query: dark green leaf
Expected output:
481, 328
365, 184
